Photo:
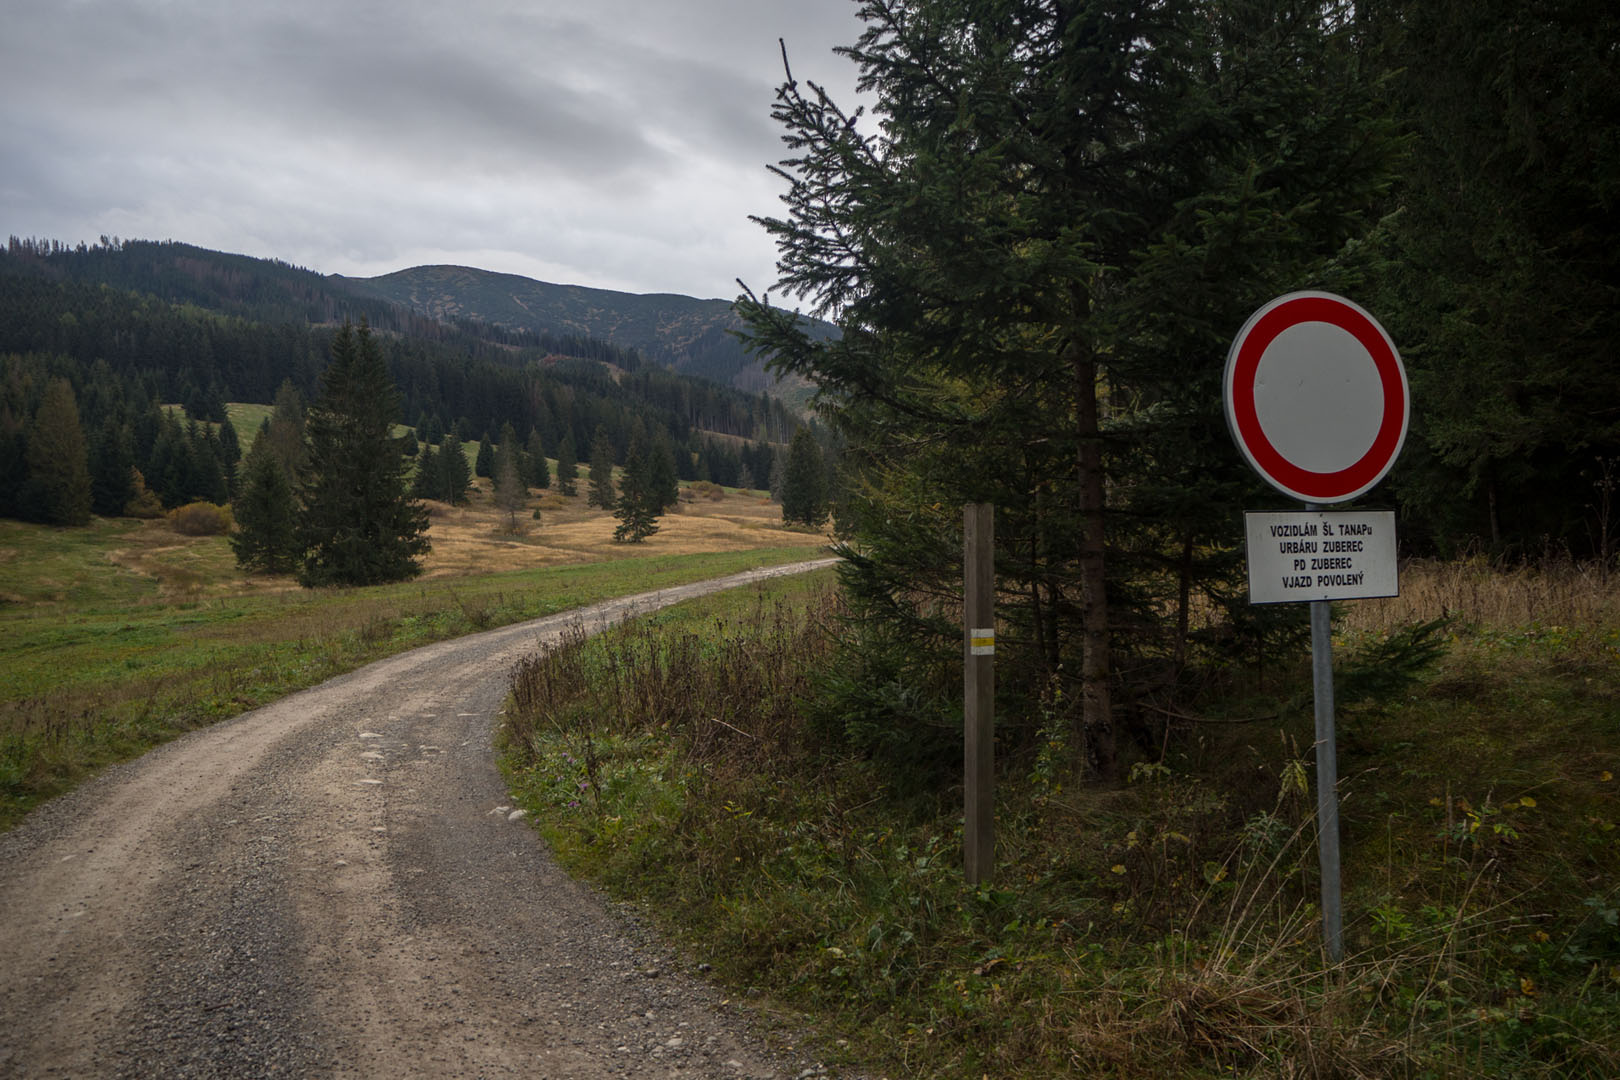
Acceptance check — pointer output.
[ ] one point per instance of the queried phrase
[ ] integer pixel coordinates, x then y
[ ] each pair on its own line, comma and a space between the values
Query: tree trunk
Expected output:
1184, 601
1096, 715
1490, 503
1037, 616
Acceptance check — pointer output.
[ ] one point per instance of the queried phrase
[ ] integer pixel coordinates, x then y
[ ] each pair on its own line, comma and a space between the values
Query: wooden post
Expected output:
979, 690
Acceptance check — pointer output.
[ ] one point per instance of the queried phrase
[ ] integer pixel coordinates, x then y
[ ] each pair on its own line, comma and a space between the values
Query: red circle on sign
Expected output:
1243, 365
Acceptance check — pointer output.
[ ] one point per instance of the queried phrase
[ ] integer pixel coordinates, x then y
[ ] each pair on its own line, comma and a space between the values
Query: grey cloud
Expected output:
625, 139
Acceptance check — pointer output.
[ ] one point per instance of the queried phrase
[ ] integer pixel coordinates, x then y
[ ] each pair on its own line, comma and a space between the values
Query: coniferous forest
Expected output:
101, 342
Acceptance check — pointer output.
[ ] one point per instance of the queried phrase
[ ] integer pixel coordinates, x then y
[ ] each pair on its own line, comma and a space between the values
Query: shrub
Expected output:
201, 519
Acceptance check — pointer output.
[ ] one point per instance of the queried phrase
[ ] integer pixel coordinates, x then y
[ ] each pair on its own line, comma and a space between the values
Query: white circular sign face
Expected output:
1316, 397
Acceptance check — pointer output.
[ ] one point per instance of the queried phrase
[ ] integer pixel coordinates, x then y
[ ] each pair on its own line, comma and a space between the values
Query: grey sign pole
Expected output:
978, 691
1327, 774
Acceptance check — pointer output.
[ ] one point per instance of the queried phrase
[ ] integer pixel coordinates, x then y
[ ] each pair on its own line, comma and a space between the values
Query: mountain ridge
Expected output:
689, 335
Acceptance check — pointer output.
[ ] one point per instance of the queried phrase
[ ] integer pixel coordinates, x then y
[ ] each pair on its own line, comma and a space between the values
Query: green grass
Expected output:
1165, 927
102, 662
246, 418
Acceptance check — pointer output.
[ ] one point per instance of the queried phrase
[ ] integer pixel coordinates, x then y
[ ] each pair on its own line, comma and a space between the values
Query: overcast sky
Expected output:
615, 143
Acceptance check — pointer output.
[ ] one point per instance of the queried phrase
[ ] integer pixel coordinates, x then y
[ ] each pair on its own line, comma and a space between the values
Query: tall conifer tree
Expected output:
266, 517
638, 506
484, 464
1037, 259
1502, 285
58, 486
803, 496
428, 483
601, 489
457, 475
567, 465
510, 490
661, 475
539, 469
112, 459
284, 435
357, 526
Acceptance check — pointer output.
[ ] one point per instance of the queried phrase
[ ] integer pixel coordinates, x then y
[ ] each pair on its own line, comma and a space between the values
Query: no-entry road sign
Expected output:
1316, 397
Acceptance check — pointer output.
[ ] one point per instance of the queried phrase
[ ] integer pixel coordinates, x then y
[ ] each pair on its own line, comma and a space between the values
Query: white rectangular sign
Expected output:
1301, 555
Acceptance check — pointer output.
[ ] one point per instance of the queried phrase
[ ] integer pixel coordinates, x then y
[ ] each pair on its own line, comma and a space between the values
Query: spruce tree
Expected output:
284, 435
13, 457
112, 460
57, 491
567, 465
429, 480
534, 457
803, 498
165, 467
1037, 261
208, 461
484, 464
357, 524
1502, 269
510, 490
266, 517
637, 507
453, 466
778, 469
230, 453
601, 489
661, 475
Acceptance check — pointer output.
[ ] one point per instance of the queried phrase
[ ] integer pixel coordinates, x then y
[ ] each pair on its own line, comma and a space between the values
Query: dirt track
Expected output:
333, 886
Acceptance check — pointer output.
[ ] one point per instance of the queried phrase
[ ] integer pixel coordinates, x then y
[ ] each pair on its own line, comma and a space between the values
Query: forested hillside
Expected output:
695, 337
128, 327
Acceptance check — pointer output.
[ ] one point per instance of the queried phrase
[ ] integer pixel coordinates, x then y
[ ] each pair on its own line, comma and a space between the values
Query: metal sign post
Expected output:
1317, 402
1327, 776
978, 691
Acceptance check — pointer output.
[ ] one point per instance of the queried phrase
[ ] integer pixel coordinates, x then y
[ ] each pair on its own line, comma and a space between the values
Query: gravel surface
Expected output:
337, 885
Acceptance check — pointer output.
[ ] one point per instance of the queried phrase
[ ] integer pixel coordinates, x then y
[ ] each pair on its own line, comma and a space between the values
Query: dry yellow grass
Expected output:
474, 539
1477, 591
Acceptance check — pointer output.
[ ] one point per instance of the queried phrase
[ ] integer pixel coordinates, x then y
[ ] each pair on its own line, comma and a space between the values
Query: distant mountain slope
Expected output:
692, 336
133, 323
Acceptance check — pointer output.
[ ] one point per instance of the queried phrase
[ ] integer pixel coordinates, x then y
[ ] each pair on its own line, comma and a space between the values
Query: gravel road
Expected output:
336, 885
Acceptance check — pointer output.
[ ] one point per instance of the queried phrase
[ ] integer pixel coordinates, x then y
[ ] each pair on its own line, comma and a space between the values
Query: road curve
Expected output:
333, 885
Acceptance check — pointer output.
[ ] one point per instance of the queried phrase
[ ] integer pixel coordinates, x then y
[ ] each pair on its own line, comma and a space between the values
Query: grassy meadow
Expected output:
120, 635
1163, 927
